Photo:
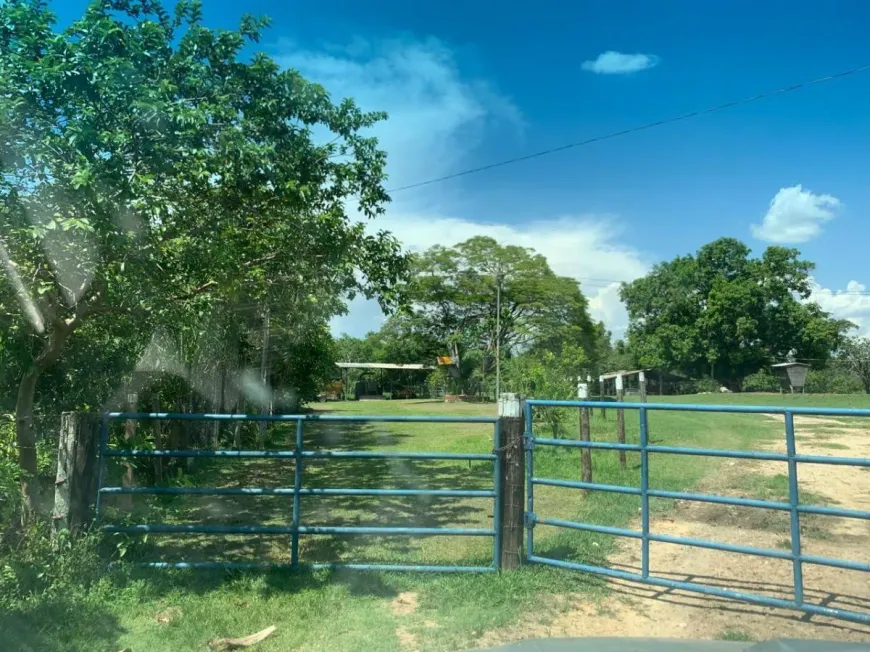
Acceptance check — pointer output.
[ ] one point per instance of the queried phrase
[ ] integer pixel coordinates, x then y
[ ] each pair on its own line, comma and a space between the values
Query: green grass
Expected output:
734, 635
160, 610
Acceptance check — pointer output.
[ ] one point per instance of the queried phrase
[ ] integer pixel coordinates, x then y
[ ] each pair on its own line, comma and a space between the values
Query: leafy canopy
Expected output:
148, 170
454, 294
724, 314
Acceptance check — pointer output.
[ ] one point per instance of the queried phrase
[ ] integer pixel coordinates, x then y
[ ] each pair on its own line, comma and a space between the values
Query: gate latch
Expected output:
528, 442
530, 518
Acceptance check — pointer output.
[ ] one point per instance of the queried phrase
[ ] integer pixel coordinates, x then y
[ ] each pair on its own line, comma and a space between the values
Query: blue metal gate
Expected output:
794, 507
299, 455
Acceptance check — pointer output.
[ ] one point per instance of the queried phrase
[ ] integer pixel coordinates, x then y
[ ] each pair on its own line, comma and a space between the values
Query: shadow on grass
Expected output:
60, 624
394, 511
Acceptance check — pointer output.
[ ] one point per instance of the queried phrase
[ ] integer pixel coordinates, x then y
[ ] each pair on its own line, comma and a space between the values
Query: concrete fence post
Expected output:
76, 481
585, 453
620, 420
513, 468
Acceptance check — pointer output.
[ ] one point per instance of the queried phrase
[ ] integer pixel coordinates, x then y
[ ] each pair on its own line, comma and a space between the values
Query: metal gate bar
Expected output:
297, 491
793, 506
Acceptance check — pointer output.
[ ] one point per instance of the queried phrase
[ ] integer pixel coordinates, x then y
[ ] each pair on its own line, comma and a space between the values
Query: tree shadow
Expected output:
61, 624
316, 510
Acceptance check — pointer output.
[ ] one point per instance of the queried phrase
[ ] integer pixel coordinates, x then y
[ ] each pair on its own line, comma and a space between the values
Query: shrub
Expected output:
703, 385
833, 380
762, 380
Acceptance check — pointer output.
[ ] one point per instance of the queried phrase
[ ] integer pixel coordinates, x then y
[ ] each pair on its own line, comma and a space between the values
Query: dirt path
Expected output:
638, 610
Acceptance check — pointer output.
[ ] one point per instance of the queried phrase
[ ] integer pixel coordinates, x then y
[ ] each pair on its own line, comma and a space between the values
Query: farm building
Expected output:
378, 380
658, 382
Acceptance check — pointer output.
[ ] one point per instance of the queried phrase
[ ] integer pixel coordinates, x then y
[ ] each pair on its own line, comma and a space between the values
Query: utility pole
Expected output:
498, 335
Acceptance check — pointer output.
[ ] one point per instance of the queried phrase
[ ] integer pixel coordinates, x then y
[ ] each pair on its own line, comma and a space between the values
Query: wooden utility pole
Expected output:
75, 484
512, 479
620, 419
585, 453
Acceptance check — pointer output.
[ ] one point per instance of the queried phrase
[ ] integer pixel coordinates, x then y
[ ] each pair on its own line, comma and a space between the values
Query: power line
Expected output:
641, 127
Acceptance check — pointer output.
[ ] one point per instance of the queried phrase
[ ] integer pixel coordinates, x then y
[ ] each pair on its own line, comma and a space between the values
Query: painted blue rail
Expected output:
793, 506
297, 528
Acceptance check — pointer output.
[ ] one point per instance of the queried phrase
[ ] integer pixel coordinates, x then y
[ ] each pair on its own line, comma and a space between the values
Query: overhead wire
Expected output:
636, 128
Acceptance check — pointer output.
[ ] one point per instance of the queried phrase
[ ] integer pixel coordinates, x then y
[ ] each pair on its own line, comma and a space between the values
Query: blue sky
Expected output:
470, 83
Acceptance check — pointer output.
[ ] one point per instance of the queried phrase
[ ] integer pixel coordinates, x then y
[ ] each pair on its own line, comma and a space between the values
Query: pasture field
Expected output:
341, 610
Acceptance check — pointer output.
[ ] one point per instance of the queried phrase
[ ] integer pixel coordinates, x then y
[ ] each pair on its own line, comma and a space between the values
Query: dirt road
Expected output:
639, 610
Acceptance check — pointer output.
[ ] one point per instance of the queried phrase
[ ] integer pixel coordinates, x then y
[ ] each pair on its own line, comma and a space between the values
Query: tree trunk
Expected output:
125, 501
26, 436
24, 431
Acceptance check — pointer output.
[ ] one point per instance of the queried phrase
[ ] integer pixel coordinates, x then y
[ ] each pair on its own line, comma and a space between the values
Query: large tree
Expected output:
855, 355
724, 314
454, 294
147, 170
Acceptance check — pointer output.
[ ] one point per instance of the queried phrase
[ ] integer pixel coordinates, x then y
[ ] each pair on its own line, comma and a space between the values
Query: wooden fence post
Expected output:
641, 383
75, 483
601, 396
620, 420
585, 453
513, 478
125, 501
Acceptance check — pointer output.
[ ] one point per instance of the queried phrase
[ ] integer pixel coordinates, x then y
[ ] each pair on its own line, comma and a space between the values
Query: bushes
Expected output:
833, 380
34, 567
761, 381
707, 385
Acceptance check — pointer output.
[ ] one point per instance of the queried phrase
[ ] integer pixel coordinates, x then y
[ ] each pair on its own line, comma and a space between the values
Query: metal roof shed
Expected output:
792, 375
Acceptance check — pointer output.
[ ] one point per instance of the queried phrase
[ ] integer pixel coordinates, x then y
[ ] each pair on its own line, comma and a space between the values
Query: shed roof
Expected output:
666, 375
381, 365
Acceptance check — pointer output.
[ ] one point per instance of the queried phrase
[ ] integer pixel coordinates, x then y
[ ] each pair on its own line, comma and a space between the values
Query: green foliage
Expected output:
835, 378
762, 380
545, 374
10, 496
35, 567
855, 356
153, 176
454, 295
725, 315
706, 386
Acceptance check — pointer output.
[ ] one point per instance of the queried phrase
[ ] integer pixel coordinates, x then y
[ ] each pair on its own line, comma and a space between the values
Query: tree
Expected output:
148, 173
454, 293
723, 314
855, 355
551, 375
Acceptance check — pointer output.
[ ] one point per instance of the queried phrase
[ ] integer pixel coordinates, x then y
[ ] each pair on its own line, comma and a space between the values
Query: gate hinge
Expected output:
530, 518
528, 442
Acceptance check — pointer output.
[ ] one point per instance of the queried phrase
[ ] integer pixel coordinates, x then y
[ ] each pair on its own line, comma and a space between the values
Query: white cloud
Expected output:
851, 304
796, 215
437, 117
583, 247
619, 63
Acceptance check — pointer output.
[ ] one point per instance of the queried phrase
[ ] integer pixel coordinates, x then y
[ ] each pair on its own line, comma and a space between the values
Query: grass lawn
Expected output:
340, 610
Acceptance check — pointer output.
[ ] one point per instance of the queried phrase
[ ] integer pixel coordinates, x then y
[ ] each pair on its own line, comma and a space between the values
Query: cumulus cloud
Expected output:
438, 116
796, 215
584, 247
853, 304
619, 63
